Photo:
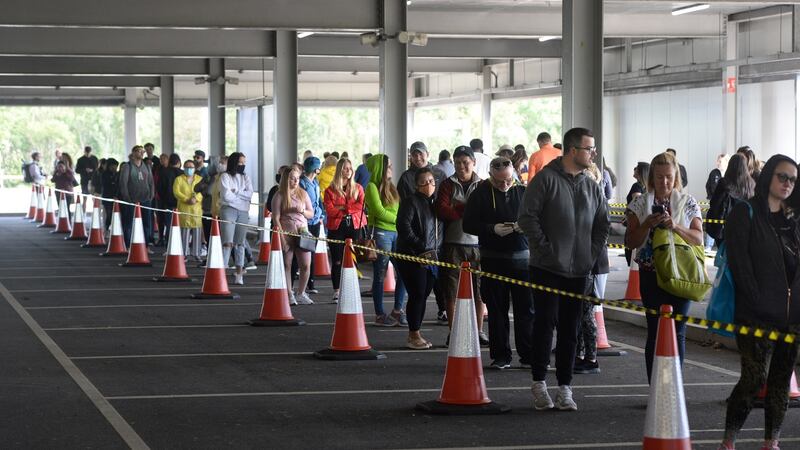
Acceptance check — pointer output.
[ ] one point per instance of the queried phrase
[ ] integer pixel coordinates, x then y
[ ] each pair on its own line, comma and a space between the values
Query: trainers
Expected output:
441, 318
541, 399
447, 342
292, 299
584, 366
335, 297
500, 365
250, 266
304, 299
238, 279
483, 339
312, 291
564, 400
385, 320
771, 445
399, 317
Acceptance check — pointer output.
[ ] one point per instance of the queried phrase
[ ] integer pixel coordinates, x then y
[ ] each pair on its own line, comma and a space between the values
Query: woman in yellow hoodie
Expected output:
190, 207
325, 176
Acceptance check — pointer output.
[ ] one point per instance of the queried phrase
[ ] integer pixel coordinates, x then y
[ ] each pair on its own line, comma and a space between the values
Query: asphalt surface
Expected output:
109, 359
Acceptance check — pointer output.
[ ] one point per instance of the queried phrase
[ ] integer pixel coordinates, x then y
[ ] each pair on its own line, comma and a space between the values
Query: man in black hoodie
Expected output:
565, 217
491, 214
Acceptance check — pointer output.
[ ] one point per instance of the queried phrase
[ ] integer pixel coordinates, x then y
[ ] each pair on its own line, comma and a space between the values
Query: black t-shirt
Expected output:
637, 188
785, 228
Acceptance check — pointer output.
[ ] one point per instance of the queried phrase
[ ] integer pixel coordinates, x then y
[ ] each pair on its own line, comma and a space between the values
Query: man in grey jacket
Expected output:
136, 186
564, 214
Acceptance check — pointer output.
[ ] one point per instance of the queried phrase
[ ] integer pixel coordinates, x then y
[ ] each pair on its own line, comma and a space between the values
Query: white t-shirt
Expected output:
482, 161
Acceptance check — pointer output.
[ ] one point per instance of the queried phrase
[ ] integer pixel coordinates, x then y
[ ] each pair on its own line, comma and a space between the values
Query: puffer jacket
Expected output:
418, 229
450, 204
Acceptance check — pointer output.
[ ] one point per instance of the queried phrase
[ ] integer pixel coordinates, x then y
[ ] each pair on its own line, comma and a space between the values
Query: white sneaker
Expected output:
238, 279
541, 399
304, 299
564, 400
335, 297
250, 266
292, 299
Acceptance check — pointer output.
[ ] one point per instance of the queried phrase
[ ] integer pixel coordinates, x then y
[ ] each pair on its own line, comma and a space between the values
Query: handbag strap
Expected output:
363, 215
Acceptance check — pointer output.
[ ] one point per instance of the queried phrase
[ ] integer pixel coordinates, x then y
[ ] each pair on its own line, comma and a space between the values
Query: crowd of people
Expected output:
544, 219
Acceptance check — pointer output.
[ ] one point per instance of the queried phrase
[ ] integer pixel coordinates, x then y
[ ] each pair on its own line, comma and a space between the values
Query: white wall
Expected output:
766, 119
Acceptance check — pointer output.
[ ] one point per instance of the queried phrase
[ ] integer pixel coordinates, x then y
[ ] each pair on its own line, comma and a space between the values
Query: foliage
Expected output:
351, 130
520, 121
446, 127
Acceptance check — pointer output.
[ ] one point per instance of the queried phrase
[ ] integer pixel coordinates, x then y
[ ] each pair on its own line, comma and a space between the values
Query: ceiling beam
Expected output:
255, 14
78, 81
11, 65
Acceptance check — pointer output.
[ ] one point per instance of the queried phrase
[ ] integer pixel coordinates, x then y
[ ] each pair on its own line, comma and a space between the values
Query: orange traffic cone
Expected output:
96, 237
666, 425
215, 285
275, 310
349, 340
603, 347
388, 279
78, 230
464, 389
49, 213
632, 292
322, 268
63, 217
40, 201
116, 243
264, 247
794, 394
175, 264
34, 198
137, 254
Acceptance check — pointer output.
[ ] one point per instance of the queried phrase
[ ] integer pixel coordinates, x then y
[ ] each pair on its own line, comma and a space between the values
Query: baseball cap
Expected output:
418, 147
463, 150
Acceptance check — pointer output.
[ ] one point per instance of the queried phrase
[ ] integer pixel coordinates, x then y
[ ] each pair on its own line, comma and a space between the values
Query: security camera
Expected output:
413, 38
371, 38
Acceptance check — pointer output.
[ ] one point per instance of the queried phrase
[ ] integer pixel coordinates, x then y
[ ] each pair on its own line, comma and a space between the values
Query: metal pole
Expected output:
285, 97
216, 114
393, 61
167, 104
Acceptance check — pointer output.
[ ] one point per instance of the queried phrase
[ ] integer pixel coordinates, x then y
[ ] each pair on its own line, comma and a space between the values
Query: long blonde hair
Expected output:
345, 188
387, 189
283, 187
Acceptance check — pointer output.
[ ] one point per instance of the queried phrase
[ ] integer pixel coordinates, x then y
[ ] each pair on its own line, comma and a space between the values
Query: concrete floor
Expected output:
109, 359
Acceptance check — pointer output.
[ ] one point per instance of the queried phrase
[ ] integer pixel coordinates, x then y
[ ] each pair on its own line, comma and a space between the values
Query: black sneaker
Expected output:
500, 365
447, 342
586, 367
441, 318
483, 339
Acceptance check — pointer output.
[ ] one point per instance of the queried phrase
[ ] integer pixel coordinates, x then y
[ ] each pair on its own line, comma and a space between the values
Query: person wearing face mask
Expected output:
491, 214
190, 207
664, 205
419, 233
206, 188
763, 243
235, 194
167, 174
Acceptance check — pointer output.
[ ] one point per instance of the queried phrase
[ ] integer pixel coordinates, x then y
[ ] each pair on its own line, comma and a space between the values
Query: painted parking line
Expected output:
597, 445
703, 365
113, 417
168, 305
210, 325
381, 391
239, 354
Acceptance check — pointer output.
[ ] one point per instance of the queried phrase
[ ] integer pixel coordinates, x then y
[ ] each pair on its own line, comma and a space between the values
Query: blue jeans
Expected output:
385, 240
653, 297
127, 222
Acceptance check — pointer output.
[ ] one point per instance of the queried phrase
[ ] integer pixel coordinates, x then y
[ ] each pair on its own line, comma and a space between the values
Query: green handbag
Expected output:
680, 267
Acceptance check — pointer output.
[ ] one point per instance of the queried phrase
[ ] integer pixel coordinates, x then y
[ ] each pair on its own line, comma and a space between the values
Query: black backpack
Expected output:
26, 172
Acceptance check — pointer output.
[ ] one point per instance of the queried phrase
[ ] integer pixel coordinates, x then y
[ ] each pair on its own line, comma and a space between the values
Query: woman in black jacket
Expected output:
763, 244
737, 185
419, 233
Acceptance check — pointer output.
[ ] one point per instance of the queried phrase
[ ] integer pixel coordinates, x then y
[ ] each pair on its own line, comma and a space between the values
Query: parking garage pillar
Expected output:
486, 111
582, 50
285, 97
393, 61
216, 113
130, 119
167, 104
730, 82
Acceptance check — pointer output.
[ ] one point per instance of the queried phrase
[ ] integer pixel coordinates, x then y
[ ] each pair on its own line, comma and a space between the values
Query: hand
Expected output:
192, 201
341, 208
517, 228
667, 222
502, 229
652, 220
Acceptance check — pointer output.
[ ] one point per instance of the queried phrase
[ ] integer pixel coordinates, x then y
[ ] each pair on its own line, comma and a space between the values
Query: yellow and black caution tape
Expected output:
744, 330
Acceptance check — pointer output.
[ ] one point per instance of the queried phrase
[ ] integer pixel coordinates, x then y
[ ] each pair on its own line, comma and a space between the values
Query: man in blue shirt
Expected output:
310, 184
362, 173
200, 167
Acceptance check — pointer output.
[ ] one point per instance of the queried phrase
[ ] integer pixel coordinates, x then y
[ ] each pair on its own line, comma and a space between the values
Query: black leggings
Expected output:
754, 354
418, 280
337, 251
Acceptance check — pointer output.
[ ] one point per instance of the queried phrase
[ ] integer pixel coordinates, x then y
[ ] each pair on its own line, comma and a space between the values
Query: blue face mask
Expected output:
189, 171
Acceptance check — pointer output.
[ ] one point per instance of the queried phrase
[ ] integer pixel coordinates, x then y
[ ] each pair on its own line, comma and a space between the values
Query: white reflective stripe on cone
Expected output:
78, 216
51, 204
215, 253
175, 242
349, 292
598, 308
634, 264
62, 209
266, 233
40, 200
138, 231
116, 224
321, 247
33, 198
464, 337
276, 274
666, 410
96, 219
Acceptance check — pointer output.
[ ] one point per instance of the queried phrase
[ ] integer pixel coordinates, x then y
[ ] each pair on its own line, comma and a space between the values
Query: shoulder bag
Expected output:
365, 244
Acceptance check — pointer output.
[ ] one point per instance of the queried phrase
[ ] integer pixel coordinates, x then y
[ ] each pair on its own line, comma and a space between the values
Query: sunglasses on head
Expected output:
500, 164
783, 178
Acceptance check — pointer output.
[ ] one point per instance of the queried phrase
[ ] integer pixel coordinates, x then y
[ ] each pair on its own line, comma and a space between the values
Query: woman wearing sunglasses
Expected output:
763, 241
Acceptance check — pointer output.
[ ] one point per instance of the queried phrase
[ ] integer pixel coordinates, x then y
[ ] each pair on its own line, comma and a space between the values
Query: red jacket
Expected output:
353, 206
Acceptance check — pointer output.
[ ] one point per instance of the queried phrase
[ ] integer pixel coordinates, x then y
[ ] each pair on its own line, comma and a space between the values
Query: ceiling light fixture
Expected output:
304, 34
547, 38
690, 9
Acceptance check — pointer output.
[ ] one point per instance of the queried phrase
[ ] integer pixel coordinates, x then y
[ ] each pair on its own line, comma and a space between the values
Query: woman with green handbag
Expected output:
664, 207
763, 259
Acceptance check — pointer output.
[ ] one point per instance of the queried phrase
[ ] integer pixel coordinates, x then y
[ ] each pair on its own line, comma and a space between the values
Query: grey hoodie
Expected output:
566, 221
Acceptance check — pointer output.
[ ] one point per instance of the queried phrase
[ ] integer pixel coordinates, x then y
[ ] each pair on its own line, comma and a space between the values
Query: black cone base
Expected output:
611, 352
112, 254
276, 323
173, 280
127, 264
339, 355
202, 296
436, 407
93, 245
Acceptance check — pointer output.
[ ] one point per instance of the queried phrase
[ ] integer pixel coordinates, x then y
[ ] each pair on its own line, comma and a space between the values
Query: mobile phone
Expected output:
508, 224
658, 209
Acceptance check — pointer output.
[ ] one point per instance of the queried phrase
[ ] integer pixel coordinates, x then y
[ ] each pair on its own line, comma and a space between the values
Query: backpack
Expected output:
26, 172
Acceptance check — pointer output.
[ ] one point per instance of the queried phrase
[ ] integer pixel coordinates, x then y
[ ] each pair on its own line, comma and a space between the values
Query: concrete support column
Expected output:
582, 48
412, 89
130, 119
730, 101
486, 110
265, 164
285, 79
167, 104
216, 114
628, 55
393, 63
